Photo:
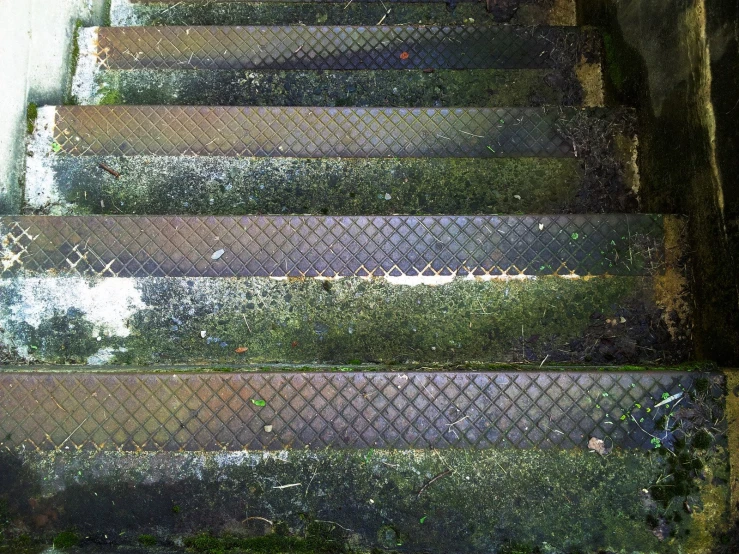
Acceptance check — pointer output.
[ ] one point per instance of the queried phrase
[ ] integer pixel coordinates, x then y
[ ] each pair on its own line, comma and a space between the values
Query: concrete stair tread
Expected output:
323, 246
519, 12
177, 411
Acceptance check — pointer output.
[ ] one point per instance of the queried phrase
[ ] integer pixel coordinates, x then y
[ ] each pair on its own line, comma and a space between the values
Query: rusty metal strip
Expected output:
171, 412
336, 48
277, 246
316, 132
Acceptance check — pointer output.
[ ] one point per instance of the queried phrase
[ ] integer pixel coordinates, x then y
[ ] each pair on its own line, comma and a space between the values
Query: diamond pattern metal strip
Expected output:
315, 132
337, 48
311, 246
159, 411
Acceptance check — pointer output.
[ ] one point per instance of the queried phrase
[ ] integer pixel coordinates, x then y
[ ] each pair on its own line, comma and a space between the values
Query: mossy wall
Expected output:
676, 62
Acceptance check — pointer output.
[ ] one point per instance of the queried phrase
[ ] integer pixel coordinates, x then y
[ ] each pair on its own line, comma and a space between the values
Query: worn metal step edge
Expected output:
525, 12
275, 411
332, 47
430, 247
313, 132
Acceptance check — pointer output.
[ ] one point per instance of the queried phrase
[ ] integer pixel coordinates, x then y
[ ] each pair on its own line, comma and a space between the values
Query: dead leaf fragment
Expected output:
241, 350
597, 445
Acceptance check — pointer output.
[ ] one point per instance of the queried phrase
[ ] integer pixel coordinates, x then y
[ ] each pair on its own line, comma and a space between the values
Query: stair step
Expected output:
336, 12
310, 132
337, 47
313, 246
217, 412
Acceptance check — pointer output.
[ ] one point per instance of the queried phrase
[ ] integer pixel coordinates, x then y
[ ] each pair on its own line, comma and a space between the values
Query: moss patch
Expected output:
300, 321
66, 539
414, 88
222, 186
31, 115
358, 500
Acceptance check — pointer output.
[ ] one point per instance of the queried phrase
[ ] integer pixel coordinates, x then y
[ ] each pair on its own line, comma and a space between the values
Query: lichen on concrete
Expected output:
180, 320
530, 12
485, 500
342, 186
448, 88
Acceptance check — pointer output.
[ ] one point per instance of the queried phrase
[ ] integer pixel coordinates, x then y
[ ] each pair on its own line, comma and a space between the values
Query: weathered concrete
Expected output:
37, 42
526, 12
416, 501
166, 320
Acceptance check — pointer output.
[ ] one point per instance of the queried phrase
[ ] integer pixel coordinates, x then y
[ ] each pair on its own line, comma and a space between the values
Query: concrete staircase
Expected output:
330, 225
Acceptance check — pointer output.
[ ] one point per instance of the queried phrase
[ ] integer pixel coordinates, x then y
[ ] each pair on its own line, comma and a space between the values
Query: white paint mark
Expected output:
42, 189
104, 356
106, 303
84, 82
123, 14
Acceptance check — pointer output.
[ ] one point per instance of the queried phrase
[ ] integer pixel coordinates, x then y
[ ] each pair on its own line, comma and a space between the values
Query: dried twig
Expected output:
110, 170
264, 519
432, 481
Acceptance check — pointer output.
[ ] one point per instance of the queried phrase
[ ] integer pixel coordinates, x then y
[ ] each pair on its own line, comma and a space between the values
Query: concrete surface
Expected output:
34, 55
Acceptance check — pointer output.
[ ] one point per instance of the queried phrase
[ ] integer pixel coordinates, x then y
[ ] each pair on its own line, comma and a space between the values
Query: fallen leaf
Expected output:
429, 70
598, 446
404, 55
217, 254
258, 402
241, 349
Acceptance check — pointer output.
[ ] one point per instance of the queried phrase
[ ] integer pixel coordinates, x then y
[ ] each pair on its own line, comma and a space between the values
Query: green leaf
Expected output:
55, 146
34, 347
574, 236
423, 519
260, 403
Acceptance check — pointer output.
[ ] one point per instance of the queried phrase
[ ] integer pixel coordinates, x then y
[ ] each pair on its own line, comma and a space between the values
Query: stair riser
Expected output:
339, 186
170, 496
124, 12
450, 88
162, 320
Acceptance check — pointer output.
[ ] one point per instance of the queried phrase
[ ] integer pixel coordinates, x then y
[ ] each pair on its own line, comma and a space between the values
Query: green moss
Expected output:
74, 57
412, 88
148, 540
614, 69
320, 538
223, 186
31, 115
106, 13
66, 539
702, 440
295, 321
111, 98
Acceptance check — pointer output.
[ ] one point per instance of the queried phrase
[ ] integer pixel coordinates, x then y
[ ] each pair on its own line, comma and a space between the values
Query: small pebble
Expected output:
387, 196
267, 428
217, 254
